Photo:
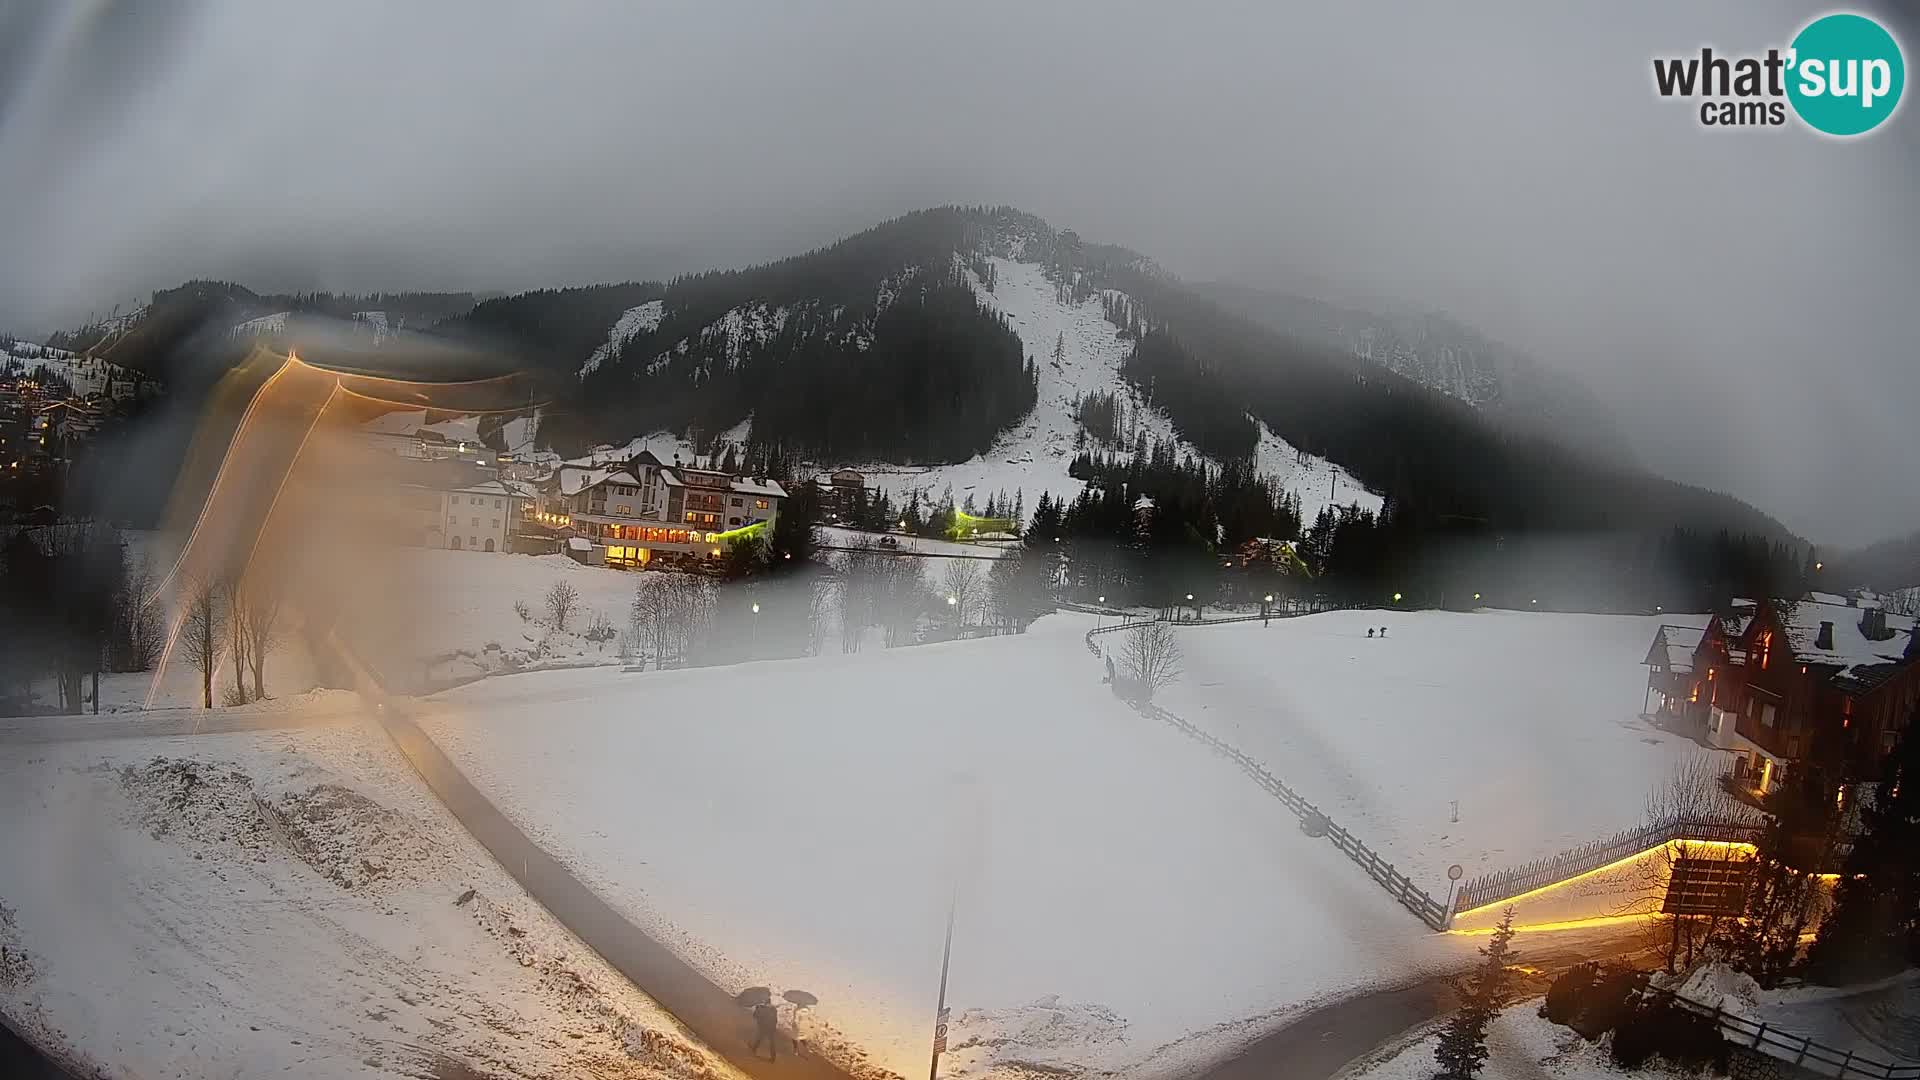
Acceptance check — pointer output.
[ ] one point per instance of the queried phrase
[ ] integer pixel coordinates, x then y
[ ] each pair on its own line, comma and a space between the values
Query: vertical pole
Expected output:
940, 1015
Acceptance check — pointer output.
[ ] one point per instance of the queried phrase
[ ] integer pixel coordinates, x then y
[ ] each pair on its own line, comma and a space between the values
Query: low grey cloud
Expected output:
1741, 298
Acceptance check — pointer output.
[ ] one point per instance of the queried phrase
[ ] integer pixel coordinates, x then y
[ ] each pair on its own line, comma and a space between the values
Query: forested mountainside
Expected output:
1441, 353
892, 346
1890, 564
188, 333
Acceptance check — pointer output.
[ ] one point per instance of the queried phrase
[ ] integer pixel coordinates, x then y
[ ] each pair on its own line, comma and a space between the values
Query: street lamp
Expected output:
1396, 598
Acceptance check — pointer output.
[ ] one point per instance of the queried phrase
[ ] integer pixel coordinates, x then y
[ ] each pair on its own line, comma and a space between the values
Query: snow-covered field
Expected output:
467, 623
1530, 722
289, 904
1123, 896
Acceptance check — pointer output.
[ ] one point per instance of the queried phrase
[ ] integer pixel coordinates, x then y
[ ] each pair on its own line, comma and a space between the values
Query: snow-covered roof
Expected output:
1851, 647
458, 429
401, 422
497, 489
1680, 642
574, 479
579, 543
750, 485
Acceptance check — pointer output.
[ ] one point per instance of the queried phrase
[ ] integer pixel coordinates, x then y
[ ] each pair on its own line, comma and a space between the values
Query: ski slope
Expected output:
636, 320
1034, 455
804, 823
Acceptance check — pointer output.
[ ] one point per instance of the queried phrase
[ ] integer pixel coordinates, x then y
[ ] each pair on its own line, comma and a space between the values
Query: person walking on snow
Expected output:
765, 1022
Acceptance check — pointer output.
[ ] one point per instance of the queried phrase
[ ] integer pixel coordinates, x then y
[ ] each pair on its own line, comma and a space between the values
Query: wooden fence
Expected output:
1513, 881
1426, 908
1795, 1050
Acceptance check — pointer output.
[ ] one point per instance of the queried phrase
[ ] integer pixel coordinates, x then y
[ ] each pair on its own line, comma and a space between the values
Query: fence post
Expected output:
1846, 1065
1759, 1033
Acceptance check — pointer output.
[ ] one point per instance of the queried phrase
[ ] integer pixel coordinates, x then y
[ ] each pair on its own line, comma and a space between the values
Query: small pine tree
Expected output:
1463, 1046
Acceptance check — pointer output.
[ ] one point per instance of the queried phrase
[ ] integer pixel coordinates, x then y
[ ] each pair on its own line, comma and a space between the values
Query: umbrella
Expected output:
801, 1000
754, 995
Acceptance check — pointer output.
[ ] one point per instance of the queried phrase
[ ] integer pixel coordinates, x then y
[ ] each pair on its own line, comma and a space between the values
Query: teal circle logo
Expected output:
1845, 74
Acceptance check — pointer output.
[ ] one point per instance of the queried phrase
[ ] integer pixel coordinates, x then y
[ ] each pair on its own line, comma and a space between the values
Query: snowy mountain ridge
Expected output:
1076, 351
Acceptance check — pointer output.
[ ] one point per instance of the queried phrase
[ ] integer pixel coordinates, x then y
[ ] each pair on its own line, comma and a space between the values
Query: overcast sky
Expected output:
1746, 300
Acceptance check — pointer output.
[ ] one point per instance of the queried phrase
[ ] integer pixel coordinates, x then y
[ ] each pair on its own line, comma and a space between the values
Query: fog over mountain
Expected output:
1741, 300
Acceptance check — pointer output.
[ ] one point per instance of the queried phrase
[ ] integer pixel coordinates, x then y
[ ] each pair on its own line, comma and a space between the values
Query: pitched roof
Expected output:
1677, 645
749, 485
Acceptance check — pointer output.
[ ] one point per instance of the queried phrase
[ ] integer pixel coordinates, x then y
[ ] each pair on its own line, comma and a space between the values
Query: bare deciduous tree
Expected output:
257, 627
962, 582
561, 601
668, 613
1151, 656
1691, 794
140, 631
202, 627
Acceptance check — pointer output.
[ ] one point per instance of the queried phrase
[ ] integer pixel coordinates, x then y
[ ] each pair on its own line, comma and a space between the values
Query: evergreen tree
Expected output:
1874, 927
1463, 1046
791, 540
1784, 892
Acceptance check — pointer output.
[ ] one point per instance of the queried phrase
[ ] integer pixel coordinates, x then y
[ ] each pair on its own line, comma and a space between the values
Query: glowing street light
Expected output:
1268, 598
756, 607
1396, 598
1533, 601
952, 601
1476, 596
1819, 566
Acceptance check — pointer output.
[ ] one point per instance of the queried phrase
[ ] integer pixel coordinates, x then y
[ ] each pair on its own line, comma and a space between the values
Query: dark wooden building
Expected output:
1767, 680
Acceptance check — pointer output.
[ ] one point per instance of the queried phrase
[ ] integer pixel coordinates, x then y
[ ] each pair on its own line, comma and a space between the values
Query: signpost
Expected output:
1454, 873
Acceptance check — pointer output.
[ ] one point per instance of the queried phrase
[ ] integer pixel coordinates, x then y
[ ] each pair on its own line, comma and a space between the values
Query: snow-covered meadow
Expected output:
1530, 722
804, 824
289, 903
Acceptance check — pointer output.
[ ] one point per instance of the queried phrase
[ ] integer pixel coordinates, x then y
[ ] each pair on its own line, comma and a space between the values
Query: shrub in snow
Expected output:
562, 599
521, 609
1592, 998
1677, 1035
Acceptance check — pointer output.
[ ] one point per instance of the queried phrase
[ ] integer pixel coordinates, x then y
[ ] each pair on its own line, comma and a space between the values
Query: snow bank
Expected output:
803, 824
1530, 722
1522, 1046
290, 903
